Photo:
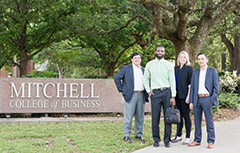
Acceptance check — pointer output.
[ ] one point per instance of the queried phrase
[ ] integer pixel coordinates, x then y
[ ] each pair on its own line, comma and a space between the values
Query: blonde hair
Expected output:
187, 58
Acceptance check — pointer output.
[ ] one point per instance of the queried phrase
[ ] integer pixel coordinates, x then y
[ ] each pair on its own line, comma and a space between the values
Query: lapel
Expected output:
131, 72
197, 79
207, 79
182, 69
177, 69
142, 70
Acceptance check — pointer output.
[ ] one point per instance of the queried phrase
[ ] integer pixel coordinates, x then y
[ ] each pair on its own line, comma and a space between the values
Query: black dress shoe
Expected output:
156, 144
127, 139
140, 138
167, 145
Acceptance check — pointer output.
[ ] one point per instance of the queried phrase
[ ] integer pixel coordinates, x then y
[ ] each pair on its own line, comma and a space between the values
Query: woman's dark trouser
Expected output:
160, 98
185, 114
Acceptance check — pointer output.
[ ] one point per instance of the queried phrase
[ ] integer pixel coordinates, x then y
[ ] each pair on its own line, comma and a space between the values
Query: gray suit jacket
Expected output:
124, 81
211, 84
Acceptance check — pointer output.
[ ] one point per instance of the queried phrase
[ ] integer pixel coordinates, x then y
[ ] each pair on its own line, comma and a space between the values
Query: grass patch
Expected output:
102, 136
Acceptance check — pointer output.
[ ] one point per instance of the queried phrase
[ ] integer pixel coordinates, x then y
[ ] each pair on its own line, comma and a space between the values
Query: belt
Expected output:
137, 91
203, 95
162, 89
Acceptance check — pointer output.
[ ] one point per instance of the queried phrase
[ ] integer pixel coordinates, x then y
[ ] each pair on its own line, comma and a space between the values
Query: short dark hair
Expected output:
202, 54
135, 54
160, 46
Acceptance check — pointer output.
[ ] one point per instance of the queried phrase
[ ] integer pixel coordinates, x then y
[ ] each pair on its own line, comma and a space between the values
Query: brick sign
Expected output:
31, 95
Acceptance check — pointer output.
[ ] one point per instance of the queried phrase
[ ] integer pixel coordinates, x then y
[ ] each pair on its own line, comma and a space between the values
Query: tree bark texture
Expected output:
176, 21
234, 51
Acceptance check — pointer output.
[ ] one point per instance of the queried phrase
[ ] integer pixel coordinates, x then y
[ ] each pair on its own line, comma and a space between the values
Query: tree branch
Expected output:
162, 3
203, 5
193, 23
225, 8
227, 43
122, 27
44, 45
135, 11
125, 48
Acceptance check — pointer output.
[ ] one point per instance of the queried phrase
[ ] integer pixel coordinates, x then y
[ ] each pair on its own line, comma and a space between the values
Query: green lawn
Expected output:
102, 136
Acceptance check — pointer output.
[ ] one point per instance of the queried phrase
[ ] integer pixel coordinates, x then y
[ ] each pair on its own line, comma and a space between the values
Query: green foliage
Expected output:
26, 27
229, 89
148, 51
110, 29
216, 109
69, 61
228, 99
42, 74
213, 49
229, 24
86, 72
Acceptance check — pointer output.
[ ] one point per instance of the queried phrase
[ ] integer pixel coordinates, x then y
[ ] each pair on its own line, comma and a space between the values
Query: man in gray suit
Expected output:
129, 81
203, 95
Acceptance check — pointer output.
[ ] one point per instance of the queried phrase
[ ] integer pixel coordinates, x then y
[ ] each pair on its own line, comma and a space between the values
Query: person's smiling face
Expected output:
136, 60
183, 59
202, 60
160, 52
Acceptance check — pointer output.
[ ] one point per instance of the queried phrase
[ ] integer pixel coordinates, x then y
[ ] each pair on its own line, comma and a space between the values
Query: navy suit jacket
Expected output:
211, 84
124, 81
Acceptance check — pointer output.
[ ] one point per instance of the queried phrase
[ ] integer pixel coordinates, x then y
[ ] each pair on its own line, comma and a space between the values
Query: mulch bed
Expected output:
226, 114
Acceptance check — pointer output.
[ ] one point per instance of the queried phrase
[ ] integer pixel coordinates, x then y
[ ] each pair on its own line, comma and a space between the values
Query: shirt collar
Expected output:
136, 66
161, 60
204, 69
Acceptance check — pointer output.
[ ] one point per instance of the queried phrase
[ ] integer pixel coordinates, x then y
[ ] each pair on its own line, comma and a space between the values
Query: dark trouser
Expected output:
204, 105
160, 98
184, 112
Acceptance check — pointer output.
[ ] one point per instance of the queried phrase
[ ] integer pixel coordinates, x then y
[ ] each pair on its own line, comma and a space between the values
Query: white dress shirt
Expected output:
138, 78
202, 78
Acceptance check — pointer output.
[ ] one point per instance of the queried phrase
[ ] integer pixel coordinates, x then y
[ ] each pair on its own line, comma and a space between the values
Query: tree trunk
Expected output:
235, 55
234, 52
60, 72
190, 48
110, 69
181, 45
172, 21
23, 63
224, 59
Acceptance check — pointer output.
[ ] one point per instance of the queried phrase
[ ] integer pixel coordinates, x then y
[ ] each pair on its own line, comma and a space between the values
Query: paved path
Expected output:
55, 119
62, 119
227, 141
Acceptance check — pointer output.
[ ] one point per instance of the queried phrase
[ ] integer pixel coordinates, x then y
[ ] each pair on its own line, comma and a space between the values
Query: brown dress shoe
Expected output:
210, 145
194, 144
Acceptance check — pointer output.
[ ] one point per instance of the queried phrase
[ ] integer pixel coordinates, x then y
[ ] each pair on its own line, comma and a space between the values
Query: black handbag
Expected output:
172, 115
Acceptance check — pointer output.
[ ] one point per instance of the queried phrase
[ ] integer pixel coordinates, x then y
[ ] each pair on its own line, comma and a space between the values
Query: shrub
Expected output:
228, 99
216, 109
42, 74
229, 82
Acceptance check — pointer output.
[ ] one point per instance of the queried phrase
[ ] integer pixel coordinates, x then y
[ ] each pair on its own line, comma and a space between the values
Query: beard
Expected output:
159, 57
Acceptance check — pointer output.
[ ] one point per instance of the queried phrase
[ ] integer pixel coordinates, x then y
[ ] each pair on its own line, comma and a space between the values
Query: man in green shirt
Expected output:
159, 81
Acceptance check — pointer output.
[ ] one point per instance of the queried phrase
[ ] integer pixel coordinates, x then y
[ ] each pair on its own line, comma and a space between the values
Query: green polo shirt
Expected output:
159, 74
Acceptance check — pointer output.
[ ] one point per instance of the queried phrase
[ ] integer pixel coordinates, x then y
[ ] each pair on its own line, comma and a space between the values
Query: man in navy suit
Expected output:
203, 95
129, 81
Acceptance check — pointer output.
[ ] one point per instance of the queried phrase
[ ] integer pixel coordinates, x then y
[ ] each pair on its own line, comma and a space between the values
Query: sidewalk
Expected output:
227, 141
62, 119
55, 119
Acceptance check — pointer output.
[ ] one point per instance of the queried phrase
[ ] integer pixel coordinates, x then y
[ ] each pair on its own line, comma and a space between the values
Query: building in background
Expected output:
15, 70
